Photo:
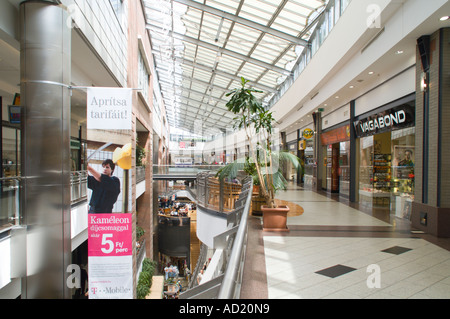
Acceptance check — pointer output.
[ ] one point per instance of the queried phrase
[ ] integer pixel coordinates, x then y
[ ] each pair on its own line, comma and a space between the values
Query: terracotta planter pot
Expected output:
274, 219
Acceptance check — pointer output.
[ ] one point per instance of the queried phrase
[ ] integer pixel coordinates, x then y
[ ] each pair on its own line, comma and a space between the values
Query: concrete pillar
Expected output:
45, 97
431, 206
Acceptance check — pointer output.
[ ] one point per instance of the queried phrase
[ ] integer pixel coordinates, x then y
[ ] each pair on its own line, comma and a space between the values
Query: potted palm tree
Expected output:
257, 123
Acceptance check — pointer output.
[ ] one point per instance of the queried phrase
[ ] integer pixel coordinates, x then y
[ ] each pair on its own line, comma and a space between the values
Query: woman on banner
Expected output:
105, 188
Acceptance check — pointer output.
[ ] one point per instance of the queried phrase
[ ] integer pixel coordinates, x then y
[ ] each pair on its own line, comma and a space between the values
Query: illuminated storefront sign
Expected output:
307, 133
340, 134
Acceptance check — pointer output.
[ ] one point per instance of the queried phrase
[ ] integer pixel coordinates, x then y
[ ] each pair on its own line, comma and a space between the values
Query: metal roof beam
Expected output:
221, 73
226, 75
197, 81
184, 89
216, 48
243, 21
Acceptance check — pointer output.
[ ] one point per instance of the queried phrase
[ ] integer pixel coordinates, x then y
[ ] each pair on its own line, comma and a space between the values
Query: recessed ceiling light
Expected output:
399, 52
337, 96
444, 18
351, 86
371, 72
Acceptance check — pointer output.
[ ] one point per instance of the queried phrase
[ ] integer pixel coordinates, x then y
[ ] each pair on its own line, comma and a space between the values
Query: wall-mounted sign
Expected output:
398, 117
307, 133
301, 145
14, 114
109, 108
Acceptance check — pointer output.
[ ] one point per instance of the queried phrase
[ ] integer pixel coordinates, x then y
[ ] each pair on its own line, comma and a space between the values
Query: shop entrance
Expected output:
336, 175
332, 170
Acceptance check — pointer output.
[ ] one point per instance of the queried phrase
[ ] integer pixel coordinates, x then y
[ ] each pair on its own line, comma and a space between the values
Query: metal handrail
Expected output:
13, 214
78, 186
225, 275
140, 173
234, 267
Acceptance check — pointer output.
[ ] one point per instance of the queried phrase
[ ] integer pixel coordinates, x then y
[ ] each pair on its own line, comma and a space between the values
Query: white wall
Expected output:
336, 117
399, 86
209, 226
107, 35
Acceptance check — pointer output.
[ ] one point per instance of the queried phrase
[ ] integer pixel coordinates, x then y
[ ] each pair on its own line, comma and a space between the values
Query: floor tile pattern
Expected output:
334, 251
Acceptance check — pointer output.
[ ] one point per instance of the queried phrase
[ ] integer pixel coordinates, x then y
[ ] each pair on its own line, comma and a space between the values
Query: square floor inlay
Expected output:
335, 271
396, 250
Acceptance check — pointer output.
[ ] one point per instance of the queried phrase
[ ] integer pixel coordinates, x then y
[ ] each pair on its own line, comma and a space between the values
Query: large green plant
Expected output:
257, 123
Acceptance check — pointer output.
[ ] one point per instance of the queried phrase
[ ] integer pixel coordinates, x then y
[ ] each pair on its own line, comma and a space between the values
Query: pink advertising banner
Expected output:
110, 256
110, 235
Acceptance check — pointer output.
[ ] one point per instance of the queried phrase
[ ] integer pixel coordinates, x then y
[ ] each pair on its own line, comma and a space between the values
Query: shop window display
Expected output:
386, 175
403, 149
309, 164
344, 168
366, 171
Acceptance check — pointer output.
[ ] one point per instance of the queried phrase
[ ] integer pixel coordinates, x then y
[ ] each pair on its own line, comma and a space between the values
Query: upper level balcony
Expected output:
222, 211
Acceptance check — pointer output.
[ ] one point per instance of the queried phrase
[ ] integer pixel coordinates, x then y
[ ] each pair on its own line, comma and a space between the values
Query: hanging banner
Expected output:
109, 108
110, 256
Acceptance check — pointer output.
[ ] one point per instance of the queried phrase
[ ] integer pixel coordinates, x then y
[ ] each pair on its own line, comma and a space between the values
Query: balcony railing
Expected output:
223, 276
10, 210
215, 194
140, 174
184, 169
78, 186
10, 201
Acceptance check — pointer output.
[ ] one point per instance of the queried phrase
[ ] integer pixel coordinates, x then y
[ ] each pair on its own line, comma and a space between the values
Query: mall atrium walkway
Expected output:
330, 249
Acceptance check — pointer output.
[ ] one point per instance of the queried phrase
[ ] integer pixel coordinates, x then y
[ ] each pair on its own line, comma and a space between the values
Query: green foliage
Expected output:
139, 232
264, 164
140, 155
145, 278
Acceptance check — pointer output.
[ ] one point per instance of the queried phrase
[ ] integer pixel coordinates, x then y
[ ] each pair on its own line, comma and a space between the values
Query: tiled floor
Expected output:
335, 251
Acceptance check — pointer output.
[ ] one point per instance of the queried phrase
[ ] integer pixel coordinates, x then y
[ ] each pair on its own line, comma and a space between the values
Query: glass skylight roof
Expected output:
202, 48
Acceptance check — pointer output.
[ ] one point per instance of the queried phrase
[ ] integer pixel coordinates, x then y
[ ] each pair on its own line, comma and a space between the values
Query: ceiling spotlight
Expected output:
371, 72
399, 52
351, 86
444, 18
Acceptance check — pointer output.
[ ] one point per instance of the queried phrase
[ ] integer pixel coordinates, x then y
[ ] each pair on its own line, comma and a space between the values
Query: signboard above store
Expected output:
307, 133
340, 134
395, 118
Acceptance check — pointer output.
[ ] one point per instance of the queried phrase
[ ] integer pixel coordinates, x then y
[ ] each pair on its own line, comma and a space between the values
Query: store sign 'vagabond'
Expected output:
395, 118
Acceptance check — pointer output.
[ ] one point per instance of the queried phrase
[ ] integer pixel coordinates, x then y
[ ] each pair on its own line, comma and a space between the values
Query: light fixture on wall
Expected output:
423, 82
